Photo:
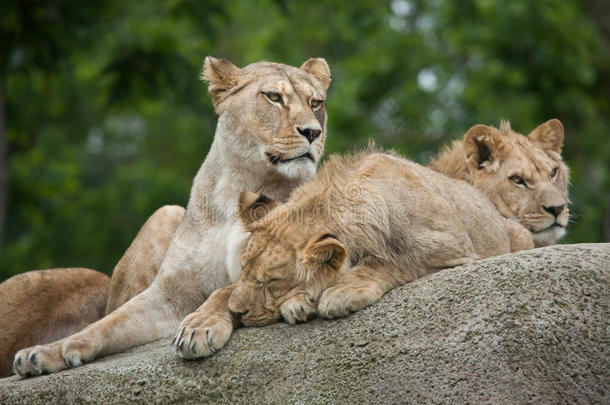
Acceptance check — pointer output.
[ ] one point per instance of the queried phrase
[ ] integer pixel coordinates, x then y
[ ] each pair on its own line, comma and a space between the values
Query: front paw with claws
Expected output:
298, 308
37, 360
200, 335
50, 358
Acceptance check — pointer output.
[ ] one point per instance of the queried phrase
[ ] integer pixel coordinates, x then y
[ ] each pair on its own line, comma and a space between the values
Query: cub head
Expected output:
278, 267
524, 176
272, 113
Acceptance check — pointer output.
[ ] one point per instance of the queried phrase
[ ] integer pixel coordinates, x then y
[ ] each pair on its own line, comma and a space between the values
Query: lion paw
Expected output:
52, 357
200, 336
339, 301
298, 308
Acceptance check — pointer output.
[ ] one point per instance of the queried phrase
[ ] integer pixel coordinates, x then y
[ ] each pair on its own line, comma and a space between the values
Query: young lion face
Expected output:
275, 273
281, 269
278, 111
524, 177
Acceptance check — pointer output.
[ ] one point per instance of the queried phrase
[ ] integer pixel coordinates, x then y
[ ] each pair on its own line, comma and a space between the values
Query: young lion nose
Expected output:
236, 305
310, 133
555, 209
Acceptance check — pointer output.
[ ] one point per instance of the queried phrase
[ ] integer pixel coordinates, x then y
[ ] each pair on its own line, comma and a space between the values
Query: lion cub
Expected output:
366, 224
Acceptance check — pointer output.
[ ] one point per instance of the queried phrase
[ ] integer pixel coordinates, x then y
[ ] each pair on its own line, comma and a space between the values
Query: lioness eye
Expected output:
316, 104
517, 180
275, 97
554, 172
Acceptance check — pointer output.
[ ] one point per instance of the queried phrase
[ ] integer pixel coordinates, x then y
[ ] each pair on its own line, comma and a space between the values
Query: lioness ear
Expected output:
480, 144
221, 75
319, 68
323, 255
549, 135
253, 207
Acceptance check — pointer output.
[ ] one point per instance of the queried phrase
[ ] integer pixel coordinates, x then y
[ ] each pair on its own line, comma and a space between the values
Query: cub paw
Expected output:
339, 301
200, 336
298, 308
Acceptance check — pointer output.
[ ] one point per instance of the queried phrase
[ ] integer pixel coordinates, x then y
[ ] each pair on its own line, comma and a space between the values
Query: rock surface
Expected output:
531, 327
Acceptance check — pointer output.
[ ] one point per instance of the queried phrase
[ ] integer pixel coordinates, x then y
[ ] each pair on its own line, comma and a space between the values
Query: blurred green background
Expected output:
103, 117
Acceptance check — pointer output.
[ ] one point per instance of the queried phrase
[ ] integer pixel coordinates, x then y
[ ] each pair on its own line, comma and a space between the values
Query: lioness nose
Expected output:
310, 133
555, 209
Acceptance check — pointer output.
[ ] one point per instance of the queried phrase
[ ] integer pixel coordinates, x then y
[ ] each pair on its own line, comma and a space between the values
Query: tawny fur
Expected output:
487, 157
260, 144
41, 306
367, 223
140, 264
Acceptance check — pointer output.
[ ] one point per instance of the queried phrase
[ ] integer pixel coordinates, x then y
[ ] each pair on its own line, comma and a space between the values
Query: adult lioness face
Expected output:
524, 176
281, 114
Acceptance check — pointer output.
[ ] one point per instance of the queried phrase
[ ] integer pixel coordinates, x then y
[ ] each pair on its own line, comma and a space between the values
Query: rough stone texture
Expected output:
531, 327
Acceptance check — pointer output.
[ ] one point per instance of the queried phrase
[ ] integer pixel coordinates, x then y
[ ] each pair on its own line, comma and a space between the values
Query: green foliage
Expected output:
107, 119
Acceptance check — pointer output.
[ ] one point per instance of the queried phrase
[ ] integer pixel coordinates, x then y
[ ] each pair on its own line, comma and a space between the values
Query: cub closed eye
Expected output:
517, 180
316, 104
275, 98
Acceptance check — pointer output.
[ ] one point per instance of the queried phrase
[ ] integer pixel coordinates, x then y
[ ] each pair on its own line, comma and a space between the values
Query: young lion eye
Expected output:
275, 98
316, 104
554, 172
517, 180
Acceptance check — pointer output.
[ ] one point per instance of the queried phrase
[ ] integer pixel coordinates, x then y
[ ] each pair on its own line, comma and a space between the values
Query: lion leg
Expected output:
520, 237
141, 262
149, 316
358, 288
209, 328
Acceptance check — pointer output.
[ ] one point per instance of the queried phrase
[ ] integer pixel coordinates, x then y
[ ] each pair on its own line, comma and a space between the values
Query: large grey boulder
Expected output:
531, 327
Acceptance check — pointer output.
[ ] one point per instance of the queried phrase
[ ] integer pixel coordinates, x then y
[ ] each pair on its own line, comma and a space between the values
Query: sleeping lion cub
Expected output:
374, 221
269, 138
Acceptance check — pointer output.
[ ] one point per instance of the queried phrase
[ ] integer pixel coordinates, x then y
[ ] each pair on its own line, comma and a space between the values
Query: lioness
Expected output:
45, 305
524, 176
270, 137
365, 224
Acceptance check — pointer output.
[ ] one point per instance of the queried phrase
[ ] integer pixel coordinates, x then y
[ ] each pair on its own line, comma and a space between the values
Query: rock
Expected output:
530, 327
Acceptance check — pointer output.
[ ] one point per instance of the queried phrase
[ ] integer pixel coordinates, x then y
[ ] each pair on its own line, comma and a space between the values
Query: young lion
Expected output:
270, 137
364, 225
523, 176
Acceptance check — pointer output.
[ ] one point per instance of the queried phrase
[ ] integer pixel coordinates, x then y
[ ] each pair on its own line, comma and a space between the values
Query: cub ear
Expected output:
221, 75
481, 144
549, 135
323, 256
253, 207
319, 69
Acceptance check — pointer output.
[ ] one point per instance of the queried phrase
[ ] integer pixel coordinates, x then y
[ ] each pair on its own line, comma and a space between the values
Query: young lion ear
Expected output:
549, 135
480, 144
319, 68
322, 253
253, 207
221, 75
